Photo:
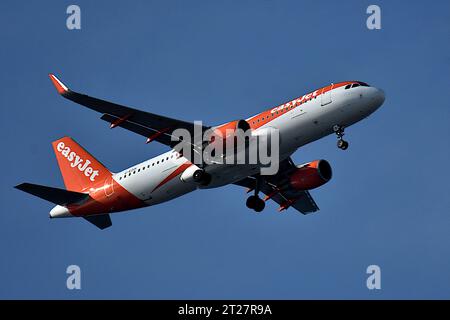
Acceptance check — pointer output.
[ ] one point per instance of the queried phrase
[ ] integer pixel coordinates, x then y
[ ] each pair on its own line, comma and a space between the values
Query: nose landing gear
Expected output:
339, 131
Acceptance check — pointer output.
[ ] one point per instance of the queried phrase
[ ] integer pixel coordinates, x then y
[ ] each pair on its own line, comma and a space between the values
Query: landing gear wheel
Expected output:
255, 203
342, 144
339, 131
251, 201
260, 205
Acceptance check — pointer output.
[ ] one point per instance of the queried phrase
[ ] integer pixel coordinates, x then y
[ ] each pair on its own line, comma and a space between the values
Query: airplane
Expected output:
93, 192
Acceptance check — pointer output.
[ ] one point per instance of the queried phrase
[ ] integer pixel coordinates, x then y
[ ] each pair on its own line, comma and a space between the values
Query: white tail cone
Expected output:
60, 212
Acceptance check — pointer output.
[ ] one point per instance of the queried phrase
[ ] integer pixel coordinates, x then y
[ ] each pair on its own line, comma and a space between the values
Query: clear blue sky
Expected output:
388, 203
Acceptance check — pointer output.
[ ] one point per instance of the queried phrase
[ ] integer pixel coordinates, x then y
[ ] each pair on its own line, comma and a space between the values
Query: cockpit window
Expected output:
356, 84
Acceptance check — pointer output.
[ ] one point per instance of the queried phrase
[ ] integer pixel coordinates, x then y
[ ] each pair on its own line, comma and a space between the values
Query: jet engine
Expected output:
311, 175
228, 130
230, 134
194, 174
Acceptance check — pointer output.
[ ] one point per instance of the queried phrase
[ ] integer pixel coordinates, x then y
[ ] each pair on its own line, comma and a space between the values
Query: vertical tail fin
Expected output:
80, 170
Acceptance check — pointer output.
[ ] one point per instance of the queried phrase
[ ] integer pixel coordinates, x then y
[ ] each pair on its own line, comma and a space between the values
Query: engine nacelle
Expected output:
194, 174
188, 174
229, 135
311, 175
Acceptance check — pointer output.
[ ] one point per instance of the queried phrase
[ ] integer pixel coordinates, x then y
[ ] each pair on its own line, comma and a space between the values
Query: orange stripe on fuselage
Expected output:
268, 115
174, 173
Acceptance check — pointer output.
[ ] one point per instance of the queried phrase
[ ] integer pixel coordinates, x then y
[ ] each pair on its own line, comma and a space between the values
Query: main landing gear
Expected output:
254, 202
339, 131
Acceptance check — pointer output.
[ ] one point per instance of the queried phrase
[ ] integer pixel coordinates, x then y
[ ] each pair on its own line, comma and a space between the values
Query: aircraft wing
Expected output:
152, 126
274, 187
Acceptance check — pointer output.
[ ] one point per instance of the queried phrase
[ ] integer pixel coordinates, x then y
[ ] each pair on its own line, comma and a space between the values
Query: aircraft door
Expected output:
326, 95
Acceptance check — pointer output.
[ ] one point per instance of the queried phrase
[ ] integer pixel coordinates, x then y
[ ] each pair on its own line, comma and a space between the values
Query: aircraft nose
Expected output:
375, 98
379, 97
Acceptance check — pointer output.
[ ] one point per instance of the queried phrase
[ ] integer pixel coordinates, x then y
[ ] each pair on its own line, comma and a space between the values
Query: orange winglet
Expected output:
119, 121
60, 87
156, 135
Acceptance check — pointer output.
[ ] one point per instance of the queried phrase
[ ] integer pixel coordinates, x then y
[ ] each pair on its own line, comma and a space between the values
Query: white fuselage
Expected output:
158, 179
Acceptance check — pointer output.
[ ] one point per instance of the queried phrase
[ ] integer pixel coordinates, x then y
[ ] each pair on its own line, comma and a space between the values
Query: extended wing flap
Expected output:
301, 200
305, 203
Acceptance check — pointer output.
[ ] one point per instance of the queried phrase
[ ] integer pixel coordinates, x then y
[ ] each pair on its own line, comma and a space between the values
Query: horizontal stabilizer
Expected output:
55, 195
102, 221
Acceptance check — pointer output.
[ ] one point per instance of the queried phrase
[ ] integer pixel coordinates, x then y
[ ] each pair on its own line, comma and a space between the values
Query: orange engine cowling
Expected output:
311, 175
229, 129
229, 132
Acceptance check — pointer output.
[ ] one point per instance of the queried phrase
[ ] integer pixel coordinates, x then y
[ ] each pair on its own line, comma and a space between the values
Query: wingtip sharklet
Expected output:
60, 87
